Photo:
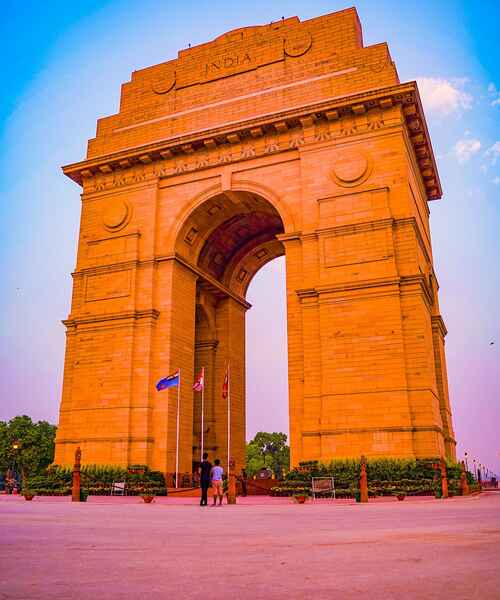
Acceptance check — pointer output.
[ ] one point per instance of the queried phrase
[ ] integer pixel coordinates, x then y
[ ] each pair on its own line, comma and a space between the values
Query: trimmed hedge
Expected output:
386, 477
97, 480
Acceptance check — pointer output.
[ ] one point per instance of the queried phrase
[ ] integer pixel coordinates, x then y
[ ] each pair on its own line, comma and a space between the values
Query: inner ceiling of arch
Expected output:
245, 230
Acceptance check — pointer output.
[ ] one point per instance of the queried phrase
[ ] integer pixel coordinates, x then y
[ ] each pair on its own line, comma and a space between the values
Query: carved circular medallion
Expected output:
379, 66
163, 84
350, 167
298, 43
116, 214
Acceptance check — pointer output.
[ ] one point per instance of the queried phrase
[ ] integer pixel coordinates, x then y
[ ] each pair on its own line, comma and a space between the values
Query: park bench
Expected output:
323, 486
118, 488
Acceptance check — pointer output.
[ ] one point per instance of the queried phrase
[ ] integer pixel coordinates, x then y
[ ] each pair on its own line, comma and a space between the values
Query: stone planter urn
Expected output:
148, 499
28, 496
401, 497
300, 498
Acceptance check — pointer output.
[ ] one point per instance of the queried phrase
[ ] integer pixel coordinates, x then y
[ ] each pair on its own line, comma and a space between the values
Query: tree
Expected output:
268, 450
26, 446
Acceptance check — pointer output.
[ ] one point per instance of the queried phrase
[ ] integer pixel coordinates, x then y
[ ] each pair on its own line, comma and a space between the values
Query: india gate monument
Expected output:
293, 139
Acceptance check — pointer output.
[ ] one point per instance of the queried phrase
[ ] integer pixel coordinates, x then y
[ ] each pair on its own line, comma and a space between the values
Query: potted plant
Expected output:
400, 495
301, 497
84, 494
147, 495
28, 495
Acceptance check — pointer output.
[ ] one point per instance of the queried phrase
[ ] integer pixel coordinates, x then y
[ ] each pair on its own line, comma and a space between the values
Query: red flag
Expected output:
225, 385
199, 382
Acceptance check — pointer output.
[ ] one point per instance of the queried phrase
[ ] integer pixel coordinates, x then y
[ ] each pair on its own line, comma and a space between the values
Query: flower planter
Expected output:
148, 499
300, 499
29, 496
401, 497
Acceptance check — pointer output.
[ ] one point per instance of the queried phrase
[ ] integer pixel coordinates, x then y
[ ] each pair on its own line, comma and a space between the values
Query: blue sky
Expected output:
63, 67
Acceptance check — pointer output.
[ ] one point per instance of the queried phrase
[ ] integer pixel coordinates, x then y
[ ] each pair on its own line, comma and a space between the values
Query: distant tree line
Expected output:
268, 450
26, 448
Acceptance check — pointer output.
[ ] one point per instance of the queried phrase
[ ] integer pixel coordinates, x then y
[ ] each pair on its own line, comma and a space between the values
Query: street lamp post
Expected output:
466, 463
15, 448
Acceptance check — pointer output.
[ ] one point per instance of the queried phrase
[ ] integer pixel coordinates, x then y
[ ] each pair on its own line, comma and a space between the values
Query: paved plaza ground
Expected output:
261, 548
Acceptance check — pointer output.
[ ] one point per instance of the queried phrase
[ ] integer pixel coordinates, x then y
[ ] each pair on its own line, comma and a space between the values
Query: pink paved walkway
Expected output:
262, 548
172, 500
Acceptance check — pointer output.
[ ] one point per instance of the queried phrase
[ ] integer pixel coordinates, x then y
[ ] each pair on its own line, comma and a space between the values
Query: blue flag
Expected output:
169, 381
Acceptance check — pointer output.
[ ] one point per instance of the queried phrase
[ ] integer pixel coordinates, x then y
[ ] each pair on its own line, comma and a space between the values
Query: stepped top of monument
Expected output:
243, 73
264, 78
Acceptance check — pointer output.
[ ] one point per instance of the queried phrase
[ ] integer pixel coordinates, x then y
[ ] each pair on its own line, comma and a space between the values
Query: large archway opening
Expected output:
228, 239
266, 352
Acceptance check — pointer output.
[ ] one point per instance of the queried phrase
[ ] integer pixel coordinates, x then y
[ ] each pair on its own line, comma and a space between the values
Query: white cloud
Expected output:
496, 180
466, 148
494, 94
444, 96
493, 153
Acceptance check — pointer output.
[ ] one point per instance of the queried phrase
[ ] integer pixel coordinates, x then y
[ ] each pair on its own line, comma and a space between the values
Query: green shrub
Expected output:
97, 480
386, 476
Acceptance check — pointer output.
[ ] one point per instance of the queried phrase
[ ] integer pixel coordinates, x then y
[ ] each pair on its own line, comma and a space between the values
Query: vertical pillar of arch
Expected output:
295, 336
173, 349
205, 355
65, 452
369, 384
230, 323
438, 335
140, 450
312, 375
206, 343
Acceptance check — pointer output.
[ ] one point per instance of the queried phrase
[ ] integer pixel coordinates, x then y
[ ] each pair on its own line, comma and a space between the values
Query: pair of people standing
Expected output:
211, 475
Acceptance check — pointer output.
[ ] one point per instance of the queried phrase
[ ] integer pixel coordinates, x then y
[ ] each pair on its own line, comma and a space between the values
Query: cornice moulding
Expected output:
438, 323
129, 315
406, 95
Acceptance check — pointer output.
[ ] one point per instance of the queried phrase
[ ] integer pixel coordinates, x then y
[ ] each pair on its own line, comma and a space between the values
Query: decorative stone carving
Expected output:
351, 167
190, 236
297, 43
116, 215
241, 275
164, 84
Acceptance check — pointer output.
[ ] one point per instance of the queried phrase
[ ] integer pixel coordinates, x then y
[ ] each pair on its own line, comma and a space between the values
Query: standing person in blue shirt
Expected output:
217, 472
205, 474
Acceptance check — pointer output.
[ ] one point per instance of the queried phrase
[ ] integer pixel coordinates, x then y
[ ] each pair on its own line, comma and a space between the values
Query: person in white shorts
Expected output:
217, 472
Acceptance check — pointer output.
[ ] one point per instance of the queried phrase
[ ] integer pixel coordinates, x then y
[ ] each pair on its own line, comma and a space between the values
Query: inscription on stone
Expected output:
219, 65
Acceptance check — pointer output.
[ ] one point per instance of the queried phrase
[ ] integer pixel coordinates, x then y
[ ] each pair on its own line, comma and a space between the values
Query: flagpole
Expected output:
228, 418
202, 413
177, 436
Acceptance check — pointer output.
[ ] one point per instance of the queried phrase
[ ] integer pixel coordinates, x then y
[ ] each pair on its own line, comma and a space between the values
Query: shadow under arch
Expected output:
229, 235
225, 238
247, 185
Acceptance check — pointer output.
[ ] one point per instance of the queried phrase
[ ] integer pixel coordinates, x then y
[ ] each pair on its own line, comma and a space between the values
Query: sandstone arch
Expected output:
183, 201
